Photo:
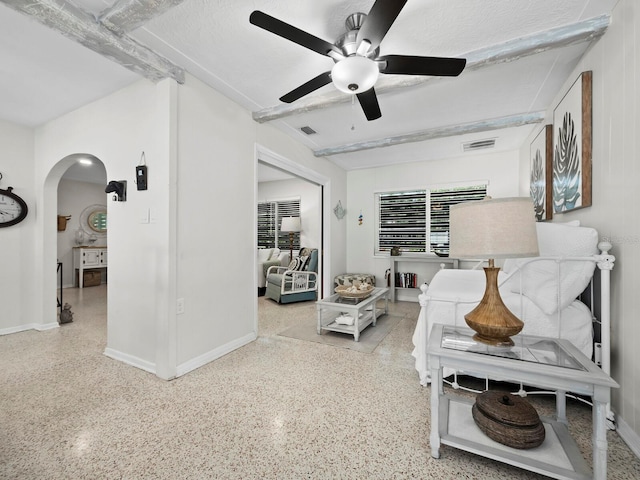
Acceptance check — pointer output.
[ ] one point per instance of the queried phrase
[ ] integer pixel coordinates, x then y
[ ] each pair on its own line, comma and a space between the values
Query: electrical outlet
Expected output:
180, 306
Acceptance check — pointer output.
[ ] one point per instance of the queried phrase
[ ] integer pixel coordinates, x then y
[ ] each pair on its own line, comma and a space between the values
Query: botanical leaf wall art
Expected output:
541, 173
572, 147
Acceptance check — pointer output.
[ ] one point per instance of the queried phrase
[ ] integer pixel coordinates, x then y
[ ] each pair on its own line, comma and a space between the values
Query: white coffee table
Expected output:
553, 364
363, 311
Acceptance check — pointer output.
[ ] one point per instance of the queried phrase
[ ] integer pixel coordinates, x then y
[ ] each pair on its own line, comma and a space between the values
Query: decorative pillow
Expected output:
540, 277
297, 263
304, 262
275, 253
294, 264
264, 254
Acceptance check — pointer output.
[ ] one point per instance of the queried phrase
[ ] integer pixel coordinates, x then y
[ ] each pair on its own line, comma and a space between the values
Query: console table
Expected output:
87, 257
549, 363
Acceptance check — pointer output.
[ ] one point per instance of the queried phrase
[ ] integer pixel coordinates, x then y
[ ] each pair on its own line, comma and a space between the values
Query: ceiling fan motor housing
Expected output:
348, 41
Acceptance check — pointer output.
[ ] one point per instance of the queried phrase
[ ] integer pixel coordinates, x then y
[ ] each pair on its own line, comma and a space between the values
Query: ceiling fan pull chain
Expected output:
353, 104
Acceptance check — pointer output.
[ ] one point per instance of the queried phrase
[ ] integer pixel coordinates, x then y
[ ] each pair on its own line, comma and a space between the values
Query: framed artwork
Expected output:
540, 186
572, 147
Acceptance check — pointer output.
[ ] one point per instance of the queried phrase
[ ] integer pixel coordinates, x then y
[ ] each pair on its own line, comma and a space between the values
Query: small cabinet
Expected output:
88, 257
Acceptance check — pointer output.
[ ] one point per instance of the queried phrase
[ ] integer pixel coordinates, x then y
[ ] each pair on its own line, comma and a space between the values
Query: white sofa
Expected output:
268, 257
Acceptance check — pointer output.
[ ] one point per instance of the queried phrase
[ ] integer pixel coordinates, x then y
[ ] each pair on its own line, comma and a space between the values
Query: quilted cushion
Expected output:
539, 277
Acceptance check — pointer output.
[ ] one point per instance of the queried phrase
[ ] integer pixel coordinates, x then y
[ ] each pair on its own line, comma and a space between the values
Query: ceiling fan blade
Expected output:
411, 65
369, 103
379, 21
284, 30
306, 88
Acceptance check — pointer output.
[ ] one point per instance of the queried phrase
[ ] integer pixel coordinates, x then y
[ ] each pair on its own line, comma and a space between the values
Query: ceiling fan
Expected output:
356, 55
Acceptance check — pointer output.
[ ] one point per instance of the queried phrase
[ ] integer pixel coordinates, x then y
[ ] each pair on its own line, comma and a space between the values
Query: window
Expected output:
270, 215
407, 219
402, 221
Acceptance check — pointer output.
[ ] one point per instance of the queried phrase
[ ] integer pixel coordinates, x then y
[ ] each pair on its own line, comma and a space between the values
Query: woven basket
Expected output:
508, 419
341, 290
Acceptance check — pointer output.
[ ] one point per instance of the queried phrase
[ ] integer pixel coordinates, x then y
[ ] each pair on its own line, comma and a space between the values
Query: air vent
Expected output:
479, 144
308, 130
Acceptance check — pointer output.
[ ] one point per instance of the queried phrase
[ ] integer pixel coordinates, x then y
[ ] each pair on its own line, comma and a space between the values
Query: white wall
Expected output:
73, 197
310, 205
616, 198
16, 253
216, 200
171, 241
115, 129
501, 170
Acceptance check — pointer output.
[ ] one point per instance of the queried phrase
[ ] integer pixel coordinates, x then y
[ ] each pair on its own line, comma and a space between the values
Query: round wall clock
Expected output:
12, 208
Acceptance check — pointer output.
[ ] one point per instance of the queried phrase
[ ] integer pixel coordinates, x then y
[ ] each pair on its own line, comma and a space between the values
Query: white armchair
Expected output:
268, 257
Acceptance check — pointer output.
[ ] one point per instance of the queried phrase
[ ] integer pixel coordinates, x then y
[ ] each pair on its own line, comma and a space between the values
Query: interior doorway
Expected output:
319, 231
74, 191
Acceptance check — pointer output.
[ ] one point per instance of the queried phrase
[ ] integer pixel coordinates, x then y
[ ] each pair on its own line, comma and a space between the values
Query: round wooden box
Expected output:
508, 419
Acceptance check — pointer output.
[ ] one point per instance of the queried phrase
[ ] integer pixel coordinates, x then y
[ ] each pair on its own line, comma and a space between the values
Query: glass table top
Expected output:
527, 349
337, 299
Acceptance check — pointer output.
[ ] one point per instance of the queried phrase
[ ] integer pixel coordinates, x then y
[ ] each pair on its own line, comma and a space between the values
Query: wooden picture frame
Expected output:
541, 173
572, 147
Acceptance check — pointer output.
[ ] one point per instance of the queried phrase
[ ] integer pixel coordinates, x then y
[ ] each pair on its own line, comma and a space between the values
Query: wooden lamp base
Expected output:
491, 319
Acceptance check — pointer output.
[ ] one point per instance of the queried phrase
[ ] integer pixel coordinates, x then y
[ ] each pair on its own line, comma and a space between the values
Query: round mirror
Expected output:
97, 221
93, 222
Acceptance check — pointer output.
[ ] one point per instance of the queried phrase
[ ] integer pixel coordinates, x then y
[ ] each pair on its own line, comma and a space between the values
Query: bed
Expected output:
546, 292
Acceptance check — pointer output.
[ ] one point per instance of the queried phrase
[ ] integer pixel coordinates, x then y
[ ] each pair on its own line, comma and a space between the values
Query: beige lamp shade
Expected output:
493, 228
489, 229
290, 224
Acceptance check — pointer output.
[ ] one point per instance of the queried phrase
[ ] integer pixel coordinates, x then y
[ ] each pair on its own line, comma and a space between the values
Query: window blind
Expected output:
417, 221
441, 200
402, 221
270, 215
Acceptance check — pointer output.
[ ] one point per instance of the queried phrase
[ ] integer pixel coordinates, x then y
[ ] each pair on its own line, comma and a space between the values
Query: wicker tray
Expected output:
341, 290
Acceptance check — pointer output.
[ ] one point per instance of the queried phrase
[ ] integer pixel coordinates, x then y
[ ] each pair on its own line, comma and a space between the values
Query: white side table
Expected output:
548, 363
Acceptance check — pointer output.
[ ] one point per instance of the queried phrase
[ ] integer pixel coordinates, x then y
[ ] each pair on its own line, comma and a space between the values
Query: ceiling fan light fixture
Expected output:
355, 74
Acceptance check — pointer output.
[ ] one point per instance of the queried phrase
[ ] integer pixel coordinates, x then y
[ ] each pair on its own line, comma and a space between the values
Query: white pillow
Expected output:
539, 277
264, 254
275, 253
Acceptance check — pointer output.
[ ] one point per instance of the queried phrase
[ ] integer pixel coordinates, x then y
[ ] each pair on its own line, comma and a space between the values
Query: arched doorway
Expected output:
48, 249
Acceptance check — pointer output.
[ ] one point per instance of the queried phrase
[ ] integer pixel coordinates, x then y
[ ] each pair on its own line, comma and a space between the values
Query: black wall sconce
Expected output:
119, 188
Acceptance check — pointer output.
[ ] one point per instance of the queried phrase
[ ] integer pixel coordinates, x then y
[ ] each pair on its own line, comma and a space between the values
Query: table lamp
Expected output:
490, 229
291, 225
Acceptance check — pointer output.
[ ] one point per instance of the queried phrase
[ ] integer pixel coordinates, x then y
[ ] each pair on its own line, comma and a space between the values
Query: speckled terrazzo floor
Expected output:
277, 408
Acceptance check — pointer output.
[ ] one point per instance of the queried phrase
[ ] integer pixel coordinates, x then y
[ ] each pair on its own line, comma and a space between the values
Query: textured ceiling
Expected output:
45, 74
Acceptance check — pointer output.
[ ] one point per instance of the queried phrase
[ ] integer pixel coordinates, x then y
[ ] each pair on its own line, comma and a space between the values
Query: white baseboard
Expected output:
130, 360
29, 326
630, 437
41, 327
214, 354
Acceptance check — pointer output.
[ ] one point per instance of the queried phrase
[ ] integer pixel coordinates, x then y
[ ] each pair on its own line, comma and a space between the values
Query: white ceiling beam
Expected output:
580, 32
127, 15
440, 132
82, 27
